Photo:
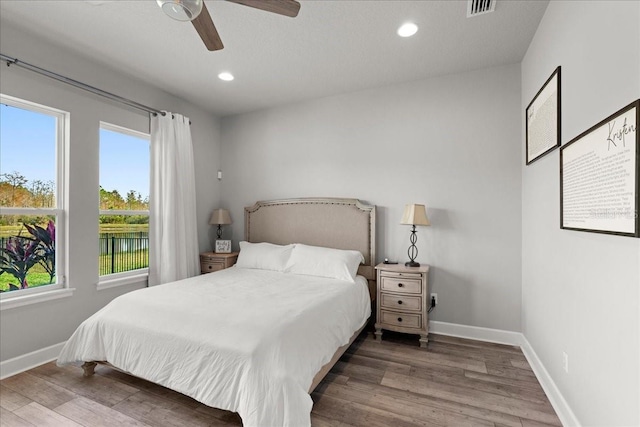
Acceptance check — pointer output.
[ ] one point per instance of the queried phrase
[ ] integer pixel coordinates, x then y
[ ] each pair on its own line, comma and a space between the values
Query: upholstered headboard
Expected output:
329, 222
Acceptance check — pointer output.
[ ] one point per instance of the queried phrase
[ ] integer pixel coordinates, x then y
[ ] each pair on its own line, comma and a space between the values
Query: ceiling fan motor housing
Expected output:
181, 10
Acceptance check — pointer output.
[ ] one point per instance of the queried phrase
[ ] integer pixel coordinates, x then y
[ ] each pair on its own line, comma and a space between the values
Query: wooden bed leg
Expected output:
88, 368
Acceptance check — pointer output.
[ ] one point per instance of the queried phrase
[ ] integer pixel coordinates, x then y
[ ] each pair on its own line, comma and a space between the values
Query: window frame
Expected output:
112, 280
60, 288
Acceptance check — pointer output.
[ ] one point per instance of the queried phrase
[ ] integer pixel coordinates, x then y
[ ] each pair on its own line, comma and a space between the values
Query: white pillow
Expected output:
324, 262
263, 256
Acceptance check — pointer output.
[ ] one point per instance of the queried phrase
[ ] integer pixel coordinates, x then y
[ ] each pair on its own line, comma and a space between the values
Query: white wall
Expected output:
33, 327
580, 290
451, 143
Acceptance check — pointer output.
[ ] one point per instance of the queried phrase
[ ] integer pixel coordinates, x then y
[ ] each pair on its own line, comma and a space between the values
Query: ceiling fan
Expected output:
196, 12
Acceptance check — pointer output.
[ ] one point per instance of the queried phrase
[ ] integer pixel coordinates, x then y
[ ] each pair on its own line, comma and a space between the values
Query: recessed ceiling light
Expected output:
227, 77
407, 30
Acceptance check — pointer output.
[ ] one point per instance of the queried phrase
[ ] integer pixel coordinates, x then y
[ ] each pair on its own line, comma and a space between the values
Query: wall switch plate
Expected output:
565, 362
433, 296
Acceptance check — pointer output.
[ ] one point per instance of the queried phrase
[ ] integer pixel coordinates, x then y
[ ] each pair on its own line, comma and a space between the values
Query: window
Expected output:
32, 216
124, 202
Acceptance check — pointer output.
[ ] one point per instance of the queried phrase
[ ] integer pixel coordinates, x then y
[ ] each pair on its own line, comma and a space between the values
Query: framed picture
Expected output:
599, 176
543, 119
223, 246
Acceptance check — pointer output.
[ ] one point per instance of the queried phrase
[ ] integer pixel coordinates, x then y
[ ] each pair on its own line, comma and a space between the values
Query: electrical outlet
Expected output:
565, 362
434, 296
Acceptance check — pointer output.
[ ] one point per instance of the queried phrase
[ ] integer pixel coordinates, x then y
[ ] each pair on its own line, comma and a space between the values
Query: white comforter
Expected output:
248, 341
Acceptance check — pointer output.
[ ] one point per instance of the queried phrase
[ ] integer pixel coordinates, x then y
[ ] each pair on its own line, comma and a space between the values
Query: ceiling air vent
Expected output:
478, 7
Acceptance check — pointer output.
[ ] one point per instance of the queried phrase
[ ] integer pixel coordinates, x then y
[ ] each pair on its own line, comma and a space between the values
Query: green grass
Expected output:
128, 261
36, 277
124, 261
12, 230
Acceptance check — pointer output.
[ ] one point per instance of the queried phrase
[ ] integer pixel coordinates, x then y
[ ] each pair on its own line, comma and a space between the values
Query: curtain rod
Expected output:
14, 61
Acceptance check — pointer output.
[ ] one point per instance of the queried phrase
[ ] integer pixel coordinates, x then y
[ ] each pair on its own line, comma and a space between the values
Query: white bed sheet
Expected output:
248, 341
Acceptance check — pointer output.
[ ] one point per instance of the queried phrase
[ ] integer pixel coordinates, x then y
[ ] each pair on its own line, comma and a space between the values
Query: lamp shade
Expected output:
415, 215
220, 217
181, 10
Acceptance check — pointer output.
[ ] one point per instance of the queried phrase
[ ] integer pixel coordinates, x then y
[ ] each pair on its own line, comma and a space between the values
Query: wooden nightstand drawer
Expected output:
211, 261
405, 285
401, 274
400, 302
211, 266
404, 320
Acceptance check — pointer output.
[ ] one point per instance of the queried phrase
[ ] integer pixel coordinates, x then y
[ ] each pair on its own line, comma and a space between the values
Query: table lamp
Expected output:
220, 217
414, 215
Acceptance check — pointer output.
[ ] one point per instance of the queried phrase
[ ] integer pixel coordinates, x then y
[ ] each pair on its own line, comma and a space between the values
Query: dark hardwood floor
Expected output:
456, 382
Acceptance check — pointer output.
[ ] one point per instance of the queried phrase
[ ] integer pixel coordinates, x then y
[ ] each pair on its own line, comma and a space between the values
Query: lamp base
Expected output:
411, 264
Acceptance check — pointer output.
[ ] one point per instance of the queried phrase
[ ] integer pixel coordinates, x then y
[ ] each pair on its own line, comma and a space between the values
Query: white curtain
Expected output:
173, 240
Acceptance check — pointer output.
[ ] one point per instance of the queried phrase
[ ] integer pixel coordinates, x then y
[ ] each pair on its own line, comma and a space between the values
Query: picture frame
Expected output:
223, 246
543, 119
600, 176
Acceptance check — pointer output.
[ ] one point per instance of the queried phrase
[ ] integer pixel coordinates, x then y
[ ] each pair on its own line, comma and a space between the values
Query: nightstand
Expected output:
402, 300
211, 261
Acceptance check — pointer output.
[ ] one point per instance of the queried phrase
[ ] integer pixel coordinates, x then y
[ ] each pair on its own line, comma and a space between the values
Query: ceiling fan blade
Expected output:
207, 31
281, 7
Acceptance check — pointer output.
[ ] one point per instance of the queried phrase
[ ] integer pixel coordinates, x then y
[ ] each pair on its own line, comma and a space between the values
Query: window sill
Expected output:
8, 303
109, 282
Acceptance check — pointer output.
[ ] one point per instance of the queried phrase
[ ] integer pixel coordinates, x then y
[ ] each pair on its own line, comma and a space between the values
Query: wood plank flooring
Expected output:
456, 382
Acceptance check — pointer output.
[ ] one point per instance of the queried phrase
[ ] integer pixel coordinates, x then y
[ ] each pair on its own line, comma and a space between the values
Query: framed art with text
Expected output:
599, 176
223, 246
542, 119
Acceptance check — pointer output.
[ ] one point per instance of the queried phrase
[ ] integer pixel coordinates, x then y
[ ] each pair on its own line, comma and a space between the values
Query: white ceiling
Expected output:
332, 47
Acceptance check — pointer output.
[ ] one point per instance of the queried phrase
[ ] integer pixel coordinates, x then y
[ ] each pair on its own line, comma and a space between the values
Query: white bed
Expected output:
256, 355
251, 341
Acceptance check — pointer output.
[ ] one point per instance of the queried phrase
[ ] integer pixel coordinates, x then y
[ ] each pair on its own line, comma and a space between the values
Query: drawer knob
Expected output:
400, 285
210, 267
399, 319
400, 302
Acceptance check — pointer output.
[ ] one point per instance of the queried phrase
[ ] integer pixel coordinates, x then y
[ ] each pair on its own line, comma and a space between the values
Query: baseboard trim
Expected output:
476, 333
560, 405
28, 361
562, 408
